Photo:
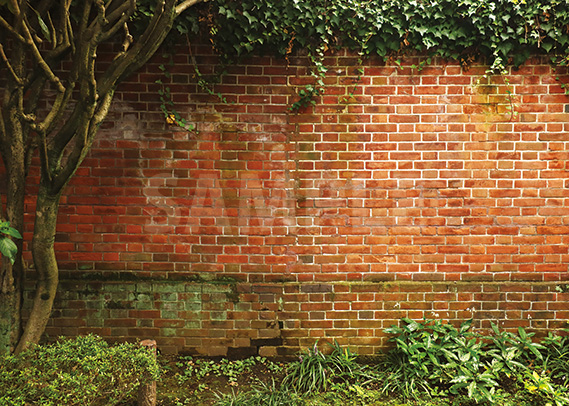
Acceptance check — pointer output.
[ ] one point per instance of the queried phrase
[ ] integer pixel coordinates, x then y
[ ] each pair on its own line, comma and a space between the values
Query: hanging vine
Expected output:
504, 32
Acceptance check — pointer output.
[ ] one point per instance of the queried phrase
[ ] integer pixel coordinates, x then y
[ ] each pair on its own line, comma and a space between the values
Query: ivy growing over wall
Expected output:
504, 32
507, 32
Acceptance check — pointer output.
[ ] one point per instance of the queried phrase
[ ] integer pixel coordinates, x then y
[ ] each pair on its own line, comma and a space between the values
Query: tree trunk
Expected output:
10, 305
45, 266
11, 275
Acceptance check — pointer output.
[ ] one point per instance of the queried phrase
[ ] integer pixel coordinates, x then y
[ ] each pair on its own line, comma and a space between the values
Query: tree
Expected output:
56, 113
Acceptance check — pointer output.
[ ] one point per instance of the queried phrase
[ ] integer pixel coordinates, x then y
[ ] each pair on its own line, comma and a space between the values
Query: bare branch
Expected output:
180, 8
116, 27
54, 35
86, 131
40, 60
138, 54
85, 18
127, 8
127, 38
17, 79
99, 21
11, 30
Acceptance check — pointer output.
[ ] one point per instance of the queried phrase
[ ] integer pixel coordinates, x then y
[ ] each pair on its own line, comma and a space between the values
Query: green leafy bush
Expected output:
556, 357
432, 358
80, 371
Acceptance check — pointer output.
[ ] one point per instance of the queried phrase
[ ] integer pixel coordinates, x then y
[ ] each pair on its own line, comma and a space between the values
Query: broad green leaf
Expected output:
8, 249
12, 232
43, 27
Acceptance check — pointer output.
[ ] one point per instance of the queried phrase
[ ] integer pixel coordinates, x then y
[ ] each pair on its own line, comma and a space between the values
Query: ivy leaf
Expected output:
251, 18
547, 46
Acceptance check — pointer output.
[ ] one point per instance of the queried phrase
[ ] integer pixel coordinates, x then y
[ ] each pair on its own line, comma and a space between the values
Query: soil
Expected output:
174, 389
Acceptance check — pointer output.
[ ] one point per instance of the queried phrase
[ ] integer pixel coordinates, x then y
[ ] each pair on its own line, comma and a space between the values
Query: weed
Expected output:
309, 374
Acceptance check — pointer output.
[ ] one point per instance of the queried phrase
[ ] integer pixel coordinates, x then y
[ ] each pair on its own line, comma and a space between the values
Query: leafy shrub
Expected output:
432, 358
79, 371
428, 357
556, 357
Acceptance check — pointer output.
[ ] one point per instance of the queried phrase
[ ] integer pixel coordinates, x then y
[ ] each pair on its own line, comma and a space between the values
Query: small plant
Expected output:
7, 247
343, 365
309, 374
541, 387
200, 368
511, 352
262, 394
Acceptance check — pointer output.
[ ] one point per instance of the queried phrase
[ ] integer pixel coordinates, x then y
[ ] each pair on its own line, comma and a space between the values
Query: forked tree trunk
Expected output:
46, 267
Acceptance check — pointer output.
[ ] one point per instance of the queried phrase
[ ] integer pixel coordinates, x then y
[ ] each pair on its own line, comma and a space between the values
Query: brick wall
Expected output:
440, 193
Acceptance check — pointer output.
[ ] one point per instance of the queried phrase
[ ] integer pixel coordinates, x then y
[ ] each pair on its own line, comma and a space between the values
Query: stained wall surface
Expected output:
440, 192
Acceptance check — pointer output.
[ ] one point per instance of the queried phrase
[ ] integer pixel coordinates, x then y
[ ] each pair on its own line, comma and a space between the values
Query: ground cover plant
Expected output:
81, 371
430, 363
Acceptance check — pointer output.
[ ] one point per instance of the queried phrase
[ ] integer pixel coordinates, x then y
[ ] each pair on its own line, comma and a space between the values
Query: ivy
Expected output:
504, 32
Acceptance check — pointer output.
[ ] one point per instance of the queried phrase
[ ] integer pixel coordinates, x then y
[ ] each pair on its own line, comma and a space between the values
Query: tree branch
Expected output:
40, 60
83, 139
118, 25
12, 31
180, 8
16, 78
127, 8
131, 60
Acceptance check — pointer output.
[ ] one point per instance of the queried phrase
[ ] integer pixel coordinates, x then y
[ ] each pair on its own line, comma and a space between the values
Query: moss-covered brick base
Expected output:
239, 319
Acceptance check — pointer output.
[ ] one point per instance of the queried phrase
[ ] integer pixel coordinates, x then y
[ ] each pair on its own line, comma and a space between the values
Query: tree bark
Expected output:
11, 275
147, 391
46, 268
64, 136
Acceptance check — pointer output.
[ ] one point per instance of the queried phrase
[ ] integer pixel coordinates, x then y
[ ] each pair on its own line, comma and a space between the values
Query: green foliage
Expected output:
431, 358
7, 247
543, 390
506, 32
262, 394
316, 371
167, 106
556, 357
200, 368
511, 353
81, 371
431, 364
310, 373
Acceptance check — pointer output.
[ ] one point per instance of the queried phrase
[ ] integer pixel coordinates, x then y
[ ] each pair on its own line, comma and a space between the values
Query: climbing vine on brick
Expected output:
505, 32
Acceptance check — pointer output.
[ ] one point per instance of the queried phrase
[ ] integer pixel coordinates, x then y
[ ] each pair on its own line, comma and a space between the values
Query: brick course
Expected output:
435, 193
